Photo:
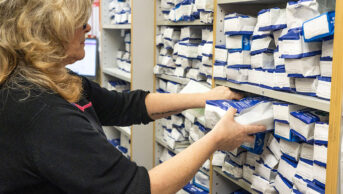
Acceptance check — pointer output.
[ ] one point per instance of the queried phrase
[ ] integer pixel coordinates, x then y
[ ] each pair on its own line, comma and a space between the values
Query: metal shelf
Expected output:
238, 182
117, 26
182, 23
115, 72
220, 2
303, 100
125, 130
180, 80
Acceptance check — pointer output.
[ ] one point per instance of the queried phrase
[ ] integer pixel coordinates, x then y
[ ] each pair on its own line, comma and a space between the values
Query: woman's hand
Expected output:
222, 93
229, 134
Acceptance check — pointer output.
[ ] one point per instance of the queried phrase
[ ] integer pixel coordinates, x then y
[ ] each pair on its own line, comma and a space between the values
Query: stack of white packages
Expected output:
205, 53
187, 10
291, 49
238, 30
124, 57
120, 12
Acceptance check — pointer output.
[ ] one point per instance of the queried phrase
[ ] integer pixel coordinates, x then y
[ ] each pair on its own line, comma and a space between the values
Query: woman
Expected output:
50, 120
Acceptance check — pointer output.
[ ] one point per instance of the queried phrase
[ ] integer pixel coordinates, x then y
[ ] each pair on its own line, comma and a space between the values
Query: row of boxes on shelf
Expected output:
122, 144
120, 12
118, 85
124, 57
290, 157
280, 49
185, 52
187, 10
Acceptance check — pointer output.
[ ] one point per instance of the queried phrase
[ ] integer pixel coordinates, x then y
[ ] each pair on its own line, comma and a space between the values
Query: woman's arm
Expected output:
164, 105
172, 175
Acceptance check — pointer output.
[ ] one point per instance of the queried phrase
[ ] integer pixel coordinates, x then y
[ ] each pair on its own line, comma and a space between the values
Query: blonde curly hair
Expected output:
34, 35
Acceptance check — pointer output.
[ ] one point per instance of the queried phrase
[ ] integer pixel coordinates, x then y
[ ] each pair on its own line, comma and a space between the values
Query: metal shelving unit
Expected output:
115, 72
303, 100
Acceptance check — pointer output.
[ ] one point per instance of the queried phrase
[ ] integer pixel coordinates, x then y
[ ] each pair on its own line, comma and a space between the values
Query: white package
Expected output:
314, 189
188, 33
206, 17
320, 153
239, 159
306, 85
239, 24
232, 169
261, 43
188, 124
173, 87
262, 185
306, 67
205, 33
180, 71
218, 158
274, 147
283, 82
307, 151
236, 74
321, 132
324, 88
298, 12
291, 149
202, 179
278, 61
271, 19
248, 172
219, 71
327, 47
265, 172
299, 184
319, 174
168, 61
269, 159
282, 110
282, 186
194, 74
238, 42
319, 27
204, 5
262, 60
206, 165
237, 151
287, 168
252, 158
196, 132
304, 169
239, 59
325, 65
177, 135
221, 53
178, 120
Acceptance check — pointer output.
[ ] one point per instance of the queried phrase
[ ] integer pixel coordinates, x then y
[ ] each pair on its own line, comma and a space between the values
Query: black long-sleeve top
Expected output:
48, 145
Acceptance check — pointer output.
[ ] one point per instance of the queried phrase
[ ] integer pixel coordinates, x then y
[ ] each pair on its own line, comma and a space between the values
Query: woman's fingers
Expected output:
252, 129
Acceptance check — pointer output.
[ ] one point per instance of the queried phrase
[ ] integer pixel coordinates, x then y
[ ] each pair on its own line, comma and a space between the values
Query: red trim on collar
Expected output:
83, 108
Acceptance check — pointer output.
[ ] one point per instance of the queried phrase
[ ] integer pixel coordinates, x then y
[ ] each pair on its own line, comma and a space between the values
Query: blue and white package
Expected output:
219, 72
279, 62
188, 50
320, 154
290, 150
221, 53
302, 123
272, 19
281, 110
274, 147
287, 168
192, 189
319, 175
282, 185
173, 87
239, 158
327, 47
257, 146
237, 151
232, 169
268, 79
303, 175
167, 61
306, 86
178, 120
238, 24
314, 189
197, 131
324, 88
237, 75
254, 76
282, 81
206, 17
263, 60
319, 27
248, 172
195, 74
180, 71
239, 59
261, 185
297, 12
202, 180
238, 42
262, 43
265, 171
292, 45
321, 133
218, 158
307, 151
205, 71
208, 49
325, 65
283, 130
